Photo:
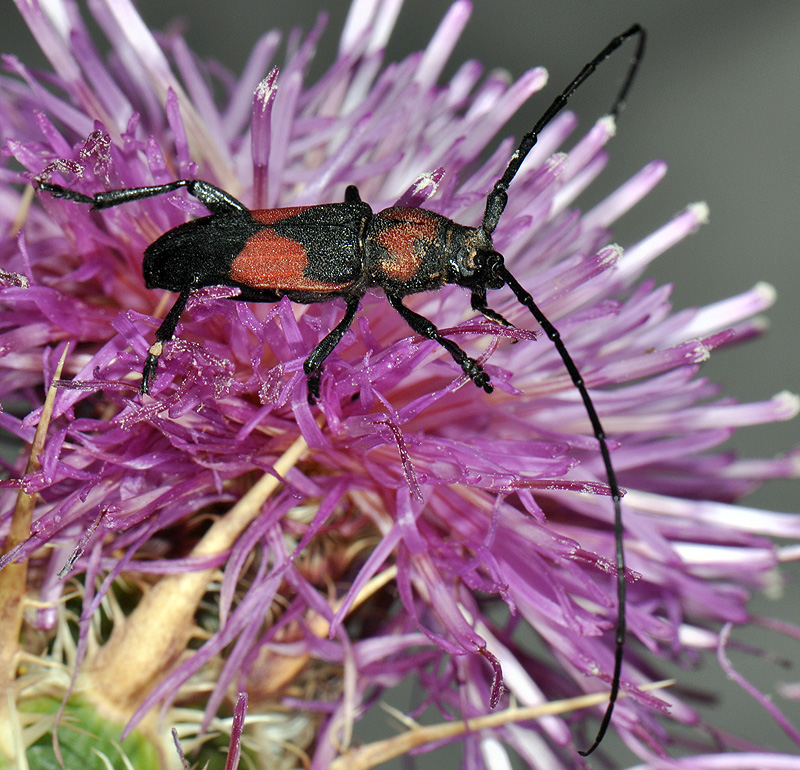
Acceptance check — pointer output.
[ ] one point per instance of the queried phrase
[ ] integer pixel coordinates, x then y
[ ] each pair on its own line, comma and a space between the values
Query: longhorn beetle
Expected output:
317, 253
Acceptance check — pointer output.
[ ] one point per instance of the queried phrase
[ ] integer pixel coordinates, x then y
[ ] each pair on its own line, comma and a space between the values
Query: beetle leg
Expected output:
351, 194
214, 199
480, 306
164, 332
313, 364
423, 326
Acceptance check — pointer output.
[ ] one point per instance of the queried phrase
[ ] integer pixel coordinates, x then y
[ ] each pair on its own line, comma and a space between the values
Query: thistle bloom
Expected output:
232, 538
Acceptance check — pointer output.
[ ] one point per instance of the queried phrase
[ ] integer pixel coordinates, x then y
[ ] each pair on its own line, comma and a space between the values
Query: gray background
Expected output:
718, 98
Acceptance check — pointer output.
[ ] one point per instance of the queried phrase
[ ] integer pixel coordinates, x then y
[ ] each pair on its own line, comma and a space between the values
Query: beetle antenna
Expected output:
498, 197
495, 205
616, 495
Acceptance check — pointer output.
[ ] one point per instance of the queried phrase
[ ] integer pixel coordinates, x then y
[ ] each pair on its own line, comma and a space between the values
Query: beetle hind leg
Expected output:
164, 332
212, 197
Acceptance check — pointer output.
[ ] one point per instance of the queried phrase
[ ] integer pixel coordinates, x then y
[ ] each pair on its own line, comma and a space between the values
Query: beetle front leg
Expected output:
478, 301
313, 364
423, 326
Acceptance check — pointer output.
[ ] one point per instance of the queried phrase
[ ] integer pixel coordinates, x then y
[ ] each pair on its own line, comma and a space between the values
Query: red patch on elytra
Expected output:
272, 261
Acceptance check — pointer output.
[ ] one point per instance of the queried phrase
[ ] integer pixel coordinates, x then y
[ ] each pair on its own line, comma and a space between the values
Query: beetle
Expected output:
340, 250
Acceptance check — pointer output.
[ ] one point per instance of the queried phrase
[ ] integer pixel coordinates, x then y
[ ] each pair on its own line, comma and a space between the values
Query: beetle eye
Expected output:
491, 267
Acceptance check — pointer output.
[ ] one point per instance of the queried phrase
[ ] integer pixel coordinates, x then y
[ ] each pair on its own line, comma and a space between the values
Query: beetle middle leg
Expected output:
351, 194
423, 326
313, 364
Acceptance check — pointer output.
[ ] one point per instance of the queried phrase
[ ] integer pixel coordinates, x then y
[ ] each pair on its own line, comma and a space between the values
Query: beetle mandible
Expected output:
317, 253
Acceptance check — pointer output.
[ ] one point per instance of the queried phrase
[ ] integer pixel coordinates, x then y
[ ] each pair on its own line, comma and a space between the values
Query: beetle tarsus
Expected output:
57, 191
148, 373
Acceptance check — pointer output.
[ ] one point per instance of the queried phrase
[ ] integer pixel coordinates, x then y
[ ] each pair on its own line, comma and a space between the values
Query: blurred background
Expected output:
718, 98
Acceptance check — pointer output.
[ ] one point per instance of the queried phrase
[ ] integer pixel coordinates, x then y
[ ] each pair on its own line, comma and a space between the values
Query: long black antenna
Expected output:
498, 197
616, 495
495, 205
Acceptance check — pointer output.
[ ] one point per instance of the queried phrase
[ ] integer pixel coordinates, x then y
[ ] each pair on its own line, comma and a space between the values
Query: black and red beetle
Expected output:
317, 253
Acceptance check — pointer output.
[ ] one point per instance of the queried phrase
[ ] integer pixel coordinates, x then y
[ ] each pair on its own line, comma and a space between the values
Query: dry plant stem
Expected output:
22, 212
13, 579
373, 754
148, 642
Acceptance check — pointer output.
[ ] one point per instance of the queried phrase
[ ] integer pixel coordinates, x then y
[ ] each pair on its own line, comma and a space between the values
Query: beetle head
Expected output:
475, 263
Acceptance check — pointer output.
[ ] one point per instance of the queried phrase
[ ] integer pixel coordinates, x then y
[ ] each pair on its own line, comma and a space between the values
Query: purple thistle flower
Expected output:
411, 528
